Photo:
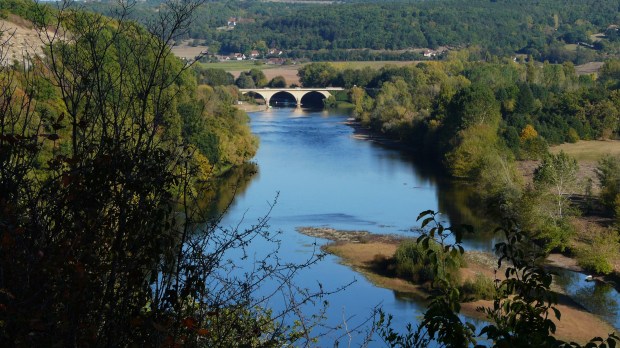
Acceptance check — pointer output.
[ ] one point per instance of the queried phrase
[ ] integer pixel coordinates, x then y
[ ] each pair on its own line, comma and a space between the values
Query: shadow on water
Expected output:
595, 296
456, 199
219, 195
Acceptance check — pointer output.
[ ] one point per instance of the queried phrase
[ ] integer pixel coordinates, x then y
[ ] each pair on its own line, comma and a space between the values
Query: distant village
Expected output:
272, 56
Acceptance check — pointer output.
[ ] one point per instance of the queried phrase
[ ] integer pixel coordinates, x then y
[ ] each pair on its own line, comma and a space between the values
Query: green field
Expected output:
592, 150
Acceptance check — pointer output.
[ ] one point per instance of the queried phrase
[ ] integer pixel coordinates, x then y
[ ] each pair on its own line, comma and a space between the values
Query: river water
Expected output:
323, 176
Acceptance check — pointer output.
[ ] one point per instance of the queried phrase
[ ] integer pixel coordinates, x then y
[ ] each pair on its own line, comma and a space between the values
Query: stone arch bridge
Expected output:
297, 92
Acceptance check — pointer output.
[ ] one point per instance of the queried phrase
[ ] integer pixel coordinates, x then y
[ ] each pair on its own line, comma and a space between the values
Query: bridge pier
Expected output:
267, 99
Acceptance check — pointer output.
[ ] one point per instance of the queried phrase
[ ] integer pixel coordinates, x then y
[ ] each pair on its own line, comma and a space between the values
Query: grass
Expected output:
592, 150
570, 47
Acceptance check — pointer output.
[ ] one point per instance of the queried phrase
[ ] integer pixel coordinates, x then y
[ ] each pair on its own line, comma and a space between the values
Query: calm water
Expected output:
322, 176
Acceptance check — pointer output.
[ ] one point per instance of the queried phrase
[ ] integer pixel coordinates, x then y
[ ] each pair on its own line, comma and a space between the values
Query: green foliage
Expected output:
412, 261
480, 288
500, 185
214, 76
608, 173
473, 106
572, 136
533, 148
251, 79
245, 81
597, 255
472, 151
557, 173
546, 208
277, 82
317, 75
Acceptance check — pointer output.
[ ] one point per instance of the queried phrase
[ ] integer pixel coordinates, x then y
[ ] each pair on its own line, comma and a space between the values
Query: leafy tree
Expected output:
474, 105
214, 77
608, 173
558, 173
277, 82
317, 75
245, 81
258, 76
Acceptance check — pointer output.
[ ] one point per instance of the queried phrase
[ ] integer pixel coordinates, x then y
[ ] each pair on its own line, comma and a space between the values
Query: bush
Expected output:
413, 263
480, 288
596, 256
572, 136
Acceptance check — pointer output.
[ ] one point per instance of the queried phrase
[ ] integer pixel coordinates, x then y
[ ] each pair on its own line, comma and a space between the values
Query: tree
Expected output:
608, 173
558, 173
215, 77
245, 81
258, 76
473, 105
277, 82
104, 243
317, 75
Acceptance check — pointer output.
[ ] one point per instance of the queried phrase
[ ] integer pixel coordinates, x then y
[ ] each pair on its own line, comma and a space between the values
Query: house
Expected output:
430, 53
232, 21
274, 51
238, 56
254, 54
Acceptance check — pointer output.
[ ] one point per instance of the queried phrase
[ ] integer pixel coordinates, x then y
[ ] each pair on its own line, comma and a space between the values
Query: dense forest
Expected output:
478, 117
556, 31
108, 142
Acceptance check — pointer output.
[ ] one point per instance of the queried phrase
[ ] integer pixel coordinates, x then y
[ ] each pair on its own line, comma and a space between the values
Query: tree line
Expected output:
370, 30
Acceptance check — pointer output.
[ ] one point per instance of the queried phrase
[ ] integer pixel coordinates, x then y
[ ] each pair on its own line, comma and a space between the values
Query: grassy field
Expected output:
589, 150
588, 68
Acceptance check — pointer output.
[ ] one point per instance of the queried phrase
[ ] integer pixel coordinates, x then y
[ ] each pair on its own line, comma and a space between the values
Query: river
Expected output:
324, 176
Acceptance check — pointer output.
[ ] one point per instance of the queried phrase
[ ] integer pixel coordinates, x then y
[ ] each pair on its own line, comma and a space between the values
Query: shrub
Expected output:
412, 262
480, 288
572, 136
596, 256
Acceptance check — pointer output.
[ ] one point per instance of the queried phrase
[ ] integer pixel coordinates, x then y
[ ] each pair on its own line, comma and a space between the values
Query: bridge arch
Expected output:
256, 95
284, 97
298, 93
317, 97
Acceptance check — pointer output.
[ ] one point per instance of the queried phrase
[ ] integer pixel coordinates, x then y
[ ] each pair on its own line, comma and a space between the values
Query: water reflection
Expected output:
595, 296
220, 194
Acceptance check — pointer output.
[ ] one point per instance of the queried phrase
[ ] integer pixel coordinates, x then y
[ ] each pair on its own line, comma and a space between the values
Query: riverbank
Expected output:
363, 251
247, 107
361, 132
